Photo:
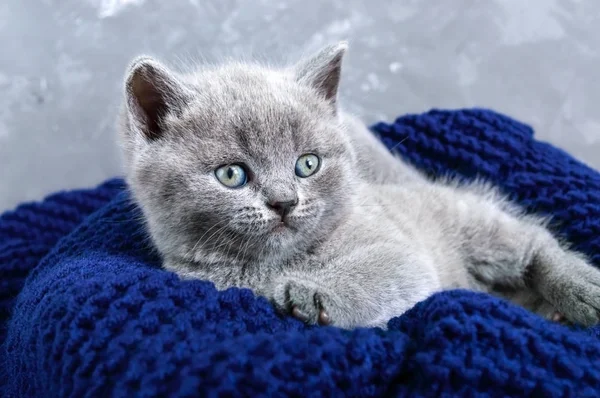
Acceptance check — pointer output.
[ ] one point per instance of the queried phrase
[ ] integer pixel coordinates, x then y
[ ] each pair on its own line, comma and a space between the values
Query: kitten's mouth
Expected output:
281, 226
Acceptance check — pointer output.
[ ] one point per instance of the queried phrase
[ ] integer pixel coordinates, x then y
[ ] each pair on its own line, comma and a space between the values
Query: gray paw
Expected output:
576, 295
303, 300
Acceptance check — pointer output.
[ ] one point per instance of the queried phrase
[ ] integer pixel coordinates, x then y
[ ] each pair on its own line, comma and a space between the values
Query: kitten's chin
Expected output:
284, 239
282, 236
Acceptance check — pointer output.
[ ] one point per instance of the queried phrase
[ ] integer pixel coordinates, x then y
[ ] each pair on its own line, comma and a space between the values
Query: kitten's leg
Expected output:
366, 287
340, 291
504, 250
362, 288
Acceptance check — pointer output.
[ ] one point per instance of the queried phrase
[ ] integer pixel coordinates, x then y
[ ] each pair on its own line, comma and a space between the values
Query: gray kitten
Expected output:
250, 176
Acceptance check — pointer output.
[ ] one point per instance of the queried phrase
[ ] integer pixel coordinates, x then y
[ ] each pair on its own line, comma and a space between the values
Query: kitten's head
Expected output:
237, 162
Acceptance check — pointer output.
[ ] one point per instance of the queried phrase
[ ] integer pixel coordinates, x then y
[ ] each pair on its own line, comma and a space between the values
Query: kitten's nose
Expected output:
282, 207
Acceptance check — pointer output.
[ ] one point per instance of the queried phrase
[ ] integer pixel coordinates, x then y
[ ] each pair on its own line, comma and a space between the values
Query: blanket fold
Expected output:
86, 310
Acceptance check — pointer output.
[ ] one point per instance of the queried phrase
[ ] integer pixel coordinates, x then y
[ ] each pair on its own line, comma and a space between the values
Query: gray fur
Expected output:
369, 237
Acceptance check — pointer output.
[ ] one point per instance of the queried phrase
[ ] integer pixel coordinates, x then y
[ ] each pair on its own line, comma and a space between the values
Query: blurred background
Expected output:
62, 63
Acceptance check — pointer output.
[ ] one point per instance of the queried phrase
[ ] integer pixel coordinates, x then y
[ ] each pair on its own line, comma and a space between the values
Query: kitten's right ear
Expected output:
152, 92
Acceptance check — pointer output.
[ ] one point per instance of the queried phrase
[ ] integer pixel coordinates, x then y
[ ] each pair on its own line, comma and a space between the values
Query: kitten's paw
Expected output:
576, 296
558, 317
304, 300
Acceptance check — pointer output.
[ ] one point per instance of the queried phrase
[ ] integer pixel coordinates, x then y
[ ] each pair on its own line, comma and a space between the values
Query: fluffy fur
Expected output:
369, 236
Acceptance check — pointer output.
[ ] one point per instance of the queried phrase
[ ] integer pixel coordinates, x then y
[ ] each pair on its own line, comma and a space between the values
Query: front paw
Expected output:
304, 300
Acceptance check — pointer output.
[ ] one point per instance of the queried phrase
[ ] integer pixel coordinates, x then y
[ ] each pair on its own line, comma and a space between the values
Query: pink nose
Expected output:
282, 208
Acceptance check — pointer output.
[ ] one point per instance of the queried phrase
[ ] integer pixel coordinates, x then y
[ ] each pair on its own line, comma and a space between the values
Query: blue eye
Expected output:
232, 176
307, 165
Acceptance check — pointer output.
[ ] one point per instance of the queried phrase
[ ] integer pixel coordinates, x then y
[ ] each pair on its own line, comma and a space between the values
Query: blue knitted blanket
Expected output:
85, 310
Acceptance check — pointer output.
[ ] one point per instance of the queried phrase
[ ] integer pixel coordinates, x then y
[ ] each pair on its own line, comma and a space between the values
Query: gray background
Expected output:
62, 61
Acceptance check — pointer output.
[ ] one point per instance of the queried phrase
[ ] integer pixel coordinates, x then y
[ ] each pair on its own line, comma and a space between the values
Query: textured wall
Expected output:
62, 62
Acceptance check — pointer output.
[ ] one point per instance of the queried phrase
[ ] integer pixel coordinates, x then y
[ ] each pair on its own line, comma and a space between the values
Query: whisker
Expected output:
220, 236
190, 252
399, 143
245, 246
228, 241
219, 230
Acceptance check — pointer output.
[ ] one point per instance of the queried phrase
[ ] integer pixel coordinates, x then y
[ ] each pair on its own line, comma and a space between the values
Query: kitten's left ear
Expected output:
323, 70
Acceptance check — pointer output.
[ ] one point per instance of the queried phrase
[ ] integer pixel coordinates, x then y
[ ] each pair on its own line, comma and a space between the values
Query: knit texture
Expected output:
97, 317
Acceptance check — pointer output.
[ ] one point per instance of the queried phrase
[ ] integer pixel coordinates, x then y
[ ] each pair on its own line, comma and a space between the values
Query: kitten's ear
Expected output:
152, 92
323, 71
